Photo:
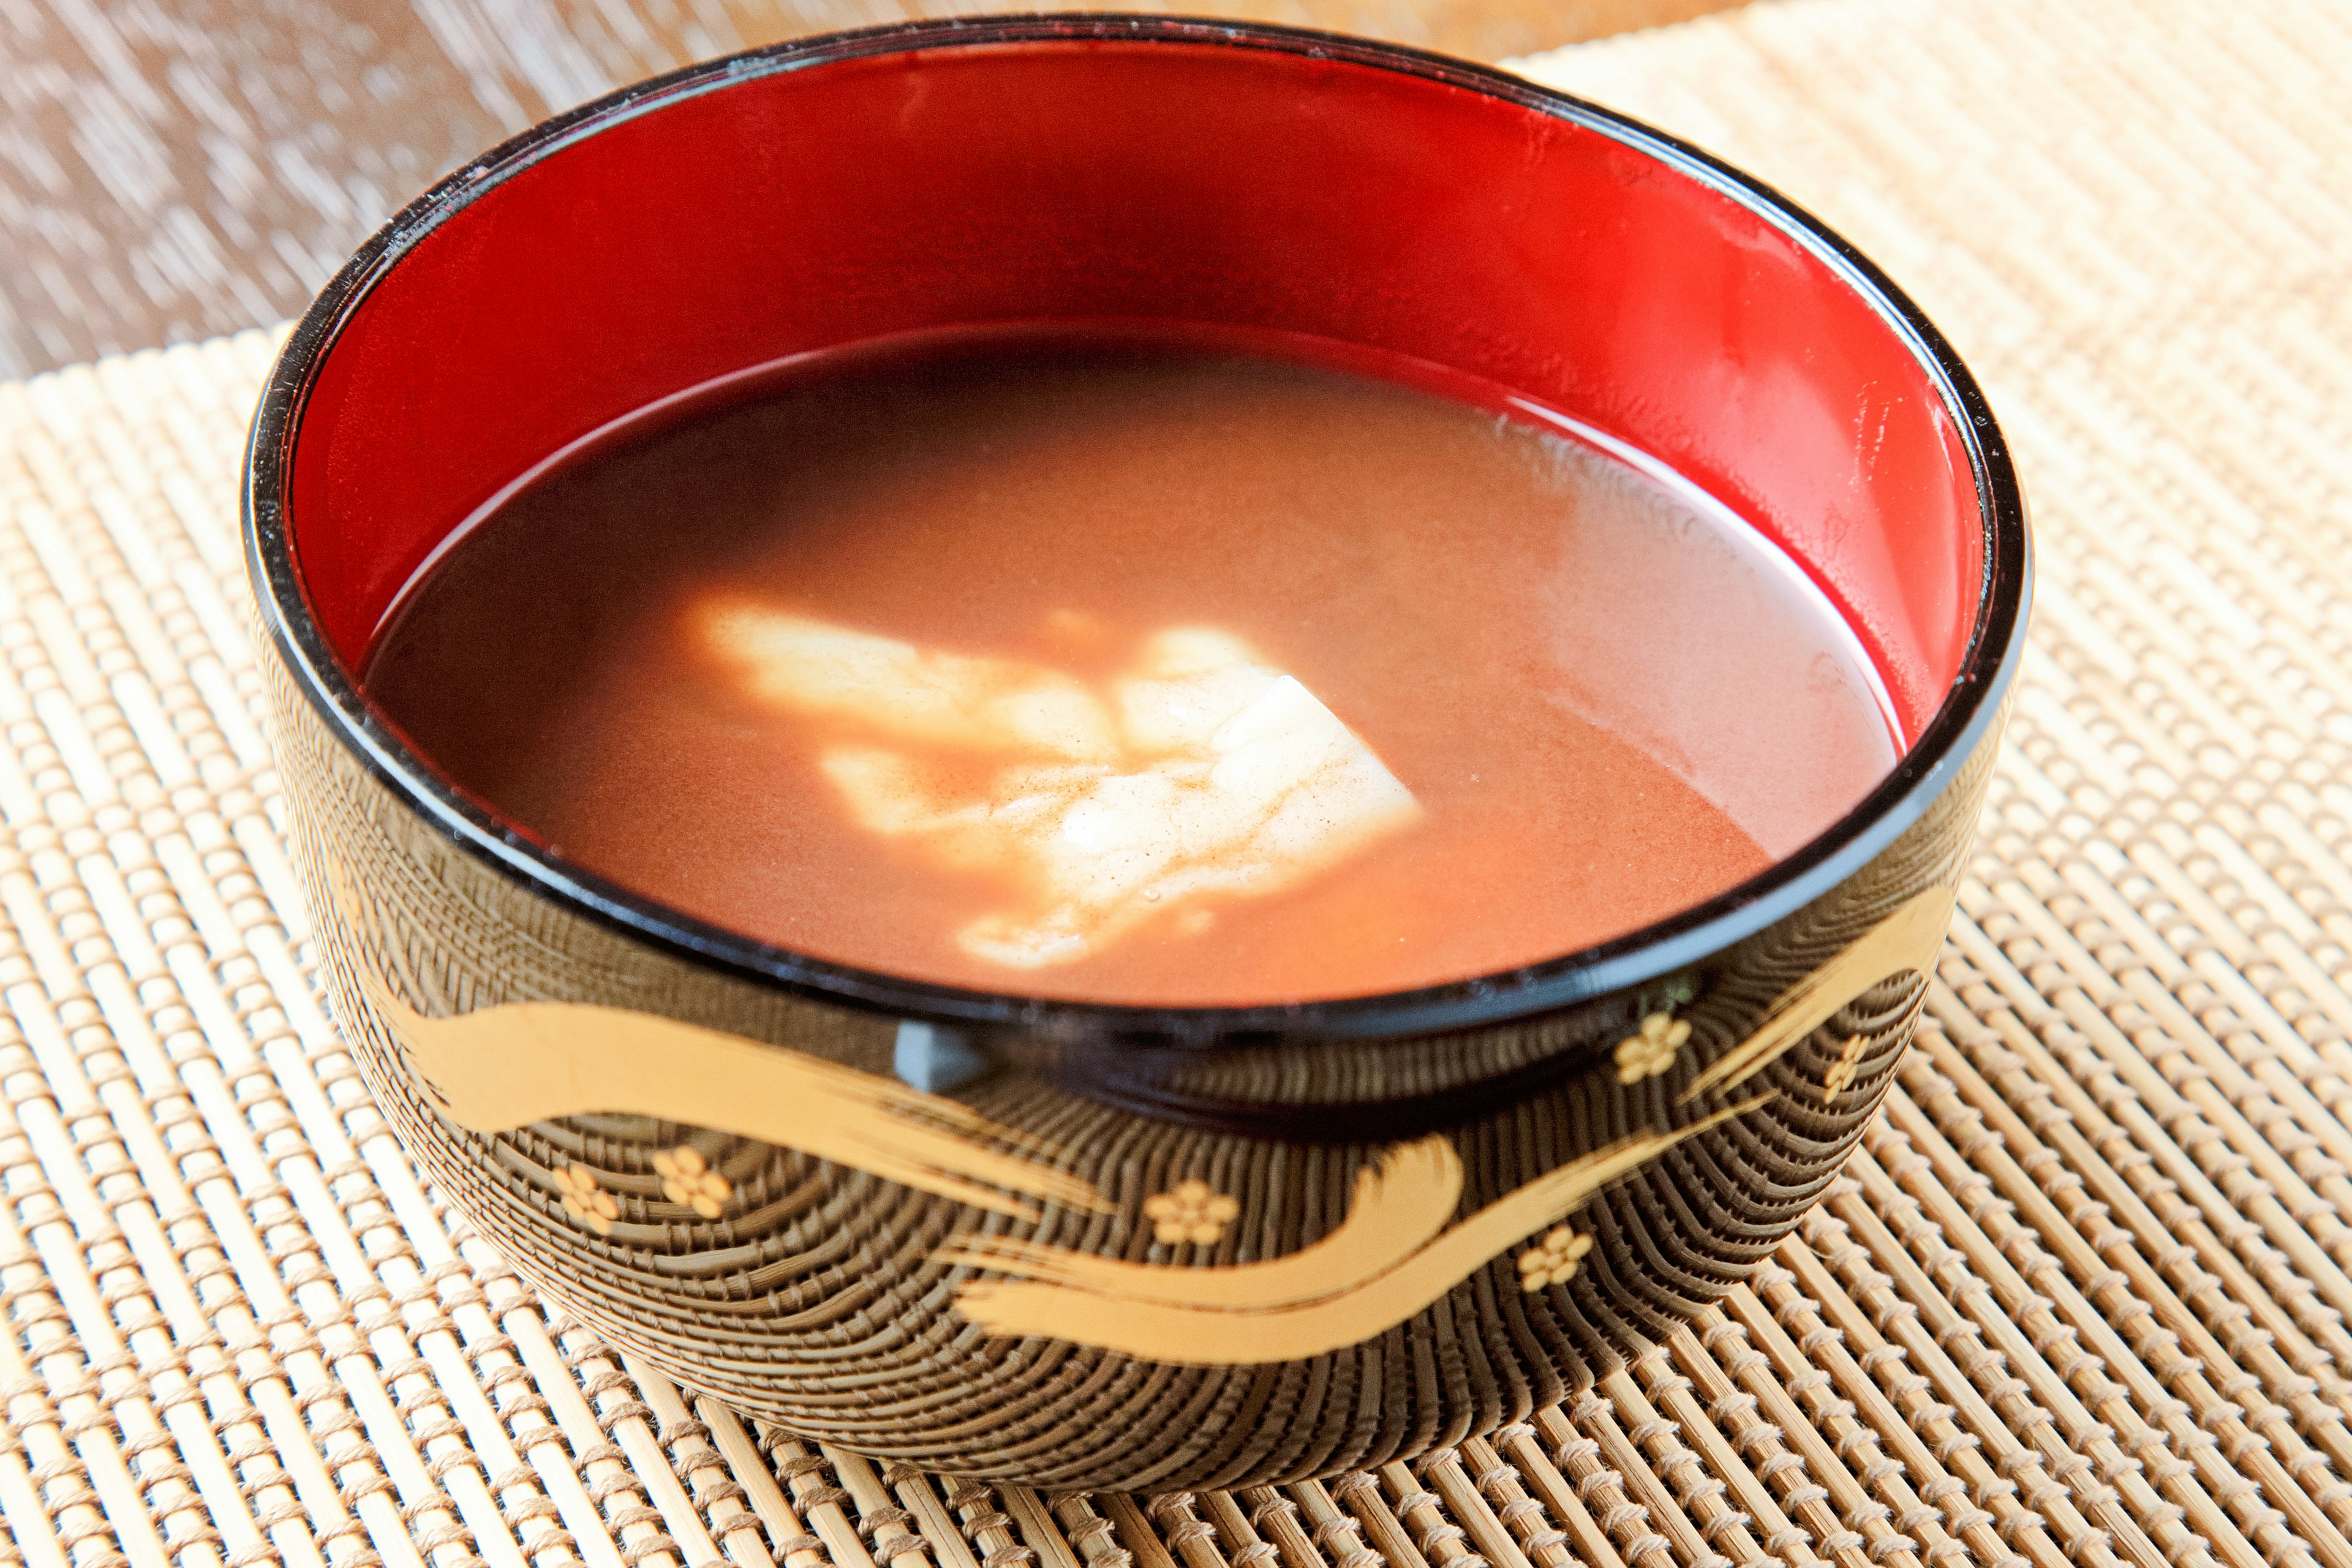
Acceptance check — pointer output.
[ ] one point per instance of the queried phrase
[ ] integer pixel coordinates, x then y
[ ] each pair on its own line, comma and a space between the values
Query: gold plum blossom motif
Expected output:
586, 1202
1843, 1071
1191, 1211
1651, 1050
687, 1178
1554, 1260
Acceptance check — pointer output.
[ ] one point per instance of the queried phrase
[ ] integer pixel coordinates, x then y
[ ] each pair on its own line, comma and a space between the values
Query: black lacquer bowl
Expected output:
1076, 1244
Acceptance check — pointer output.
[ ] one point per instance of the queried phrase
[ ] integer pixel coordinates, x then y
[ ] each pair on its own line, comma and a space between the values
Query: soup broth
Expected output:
1135, 671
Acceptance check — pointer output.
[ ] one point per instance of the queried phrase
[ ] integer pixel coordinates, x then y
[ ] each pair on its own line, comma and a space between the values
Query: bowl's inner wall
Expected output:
1072, 180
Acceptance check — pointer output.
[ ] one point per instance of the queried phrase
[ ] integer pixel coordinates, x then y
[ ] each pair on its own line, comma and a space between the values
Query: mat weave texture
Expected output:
2082, 1299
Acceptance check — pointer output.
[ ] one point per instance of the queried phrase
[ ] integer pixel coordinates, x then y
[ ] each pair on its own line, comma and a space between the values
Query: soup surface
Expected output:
1134, 672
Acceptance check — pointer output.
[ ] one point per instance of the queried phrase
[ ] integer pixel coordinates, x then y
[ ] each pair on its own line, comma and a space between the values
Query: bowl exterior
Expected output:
983, 1255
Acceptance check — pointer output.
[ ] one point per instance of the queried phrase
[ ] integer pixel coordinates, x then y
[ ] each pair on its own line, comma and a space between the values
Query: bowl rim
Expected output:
1959, 726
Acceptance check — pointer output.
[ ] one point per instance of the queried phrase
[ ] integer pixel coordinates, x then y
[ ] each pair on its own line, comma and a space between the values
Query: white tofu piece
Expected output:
943, 699
1198, 775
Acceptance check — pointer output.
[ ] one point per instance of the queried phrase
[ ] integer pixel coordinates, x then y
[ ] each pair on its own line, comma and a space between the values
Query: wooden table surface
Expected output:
173, 169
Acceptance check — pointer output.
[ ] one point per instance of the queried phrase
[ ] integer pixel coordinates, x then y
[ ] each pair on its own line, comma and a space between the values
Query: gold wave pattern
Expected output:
505, 1067
1908, 938
1398, 1204
501, 1067
1191, 1316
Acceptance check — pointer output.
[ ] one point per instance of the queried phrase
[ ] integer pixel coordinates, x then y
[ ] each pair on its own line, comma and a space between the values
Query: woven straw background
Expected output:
2082, 1300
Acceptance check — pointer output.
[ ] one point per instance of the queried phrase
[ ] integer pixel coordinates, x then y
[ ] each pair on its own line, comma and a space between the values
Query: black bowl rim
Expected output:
1677, 944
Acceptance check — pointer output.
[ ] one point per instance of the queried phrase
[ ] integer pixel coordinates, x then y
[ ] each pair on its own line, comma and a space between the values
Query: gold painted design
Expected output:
1392, 1255
1650, 1049
1841, 1076
1909, 939
586, 1202
1290, 1307
1553, 1260
1189, 1212
687, 1178
499, 1069
1399, 1202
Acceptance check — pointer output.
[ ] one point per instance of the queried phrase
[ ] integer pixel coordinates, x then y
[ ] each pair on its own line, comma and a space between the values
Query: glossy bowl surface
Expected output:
942, 1260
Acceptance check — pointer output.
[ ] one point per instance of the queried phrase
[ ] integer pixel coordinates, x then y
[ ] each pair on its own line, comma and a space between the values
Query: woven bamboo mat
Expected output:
2081, 1300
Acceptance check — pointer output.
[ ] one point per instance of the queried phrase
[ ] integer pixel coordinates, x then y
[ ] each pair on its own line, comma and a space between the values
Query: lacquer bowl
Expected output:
1085, 1246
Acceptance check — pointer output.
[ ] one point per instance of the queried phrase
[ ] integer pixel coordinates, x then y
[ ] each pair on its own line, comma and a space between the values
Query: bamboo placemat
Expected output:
2081, 1300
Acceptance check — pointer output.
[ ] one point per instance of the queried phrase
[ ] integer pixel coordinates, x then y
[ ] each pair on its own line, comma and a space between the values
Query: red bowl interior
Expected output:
732, 221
